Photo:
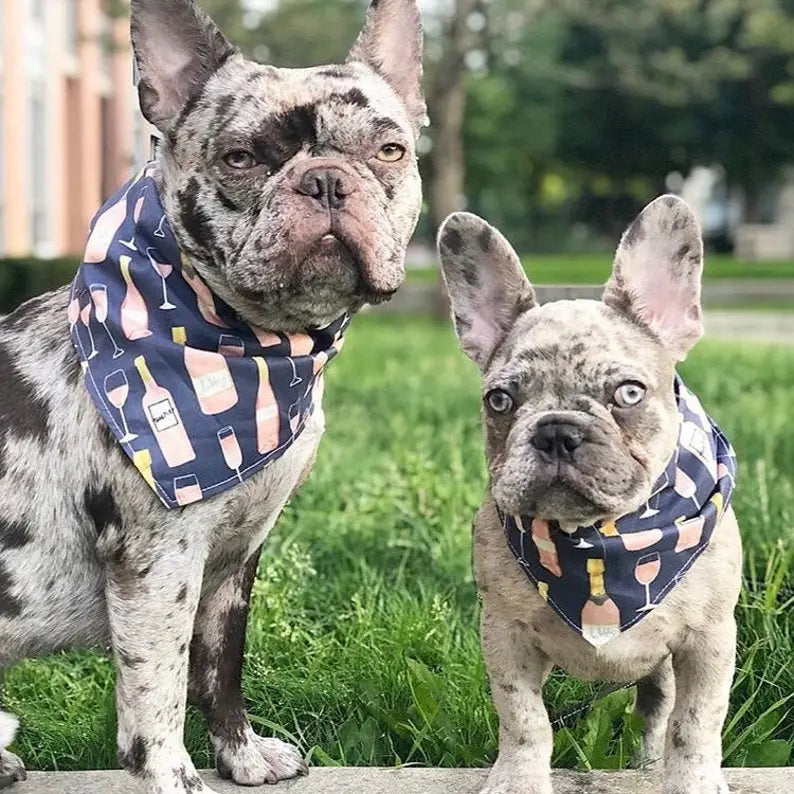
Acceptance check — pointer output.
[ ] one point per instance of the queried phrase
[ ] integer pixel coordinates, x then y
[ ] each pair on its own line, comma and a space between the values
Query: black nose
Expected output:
558, 440
329, 186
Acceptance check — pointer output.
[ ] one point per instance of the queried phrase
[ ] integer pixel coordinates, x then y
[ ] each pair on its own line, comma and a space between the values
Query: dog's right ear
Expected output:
486, 283
177, 49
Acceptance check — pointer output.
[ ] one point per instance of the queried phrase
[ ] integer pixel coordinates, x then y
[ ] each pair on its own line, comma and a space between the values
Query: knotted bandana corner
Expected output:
199, 400
602, 579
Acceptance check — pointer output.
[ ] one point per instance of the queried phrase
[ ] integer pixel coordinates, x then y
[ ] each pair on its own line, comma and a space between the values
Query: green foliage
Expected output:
21, 279
363, 642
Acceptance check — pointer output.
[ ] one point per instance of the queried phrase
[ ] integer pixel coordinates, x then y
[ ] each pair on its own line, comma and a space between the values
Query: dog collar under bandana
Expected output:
198, 400
603, 578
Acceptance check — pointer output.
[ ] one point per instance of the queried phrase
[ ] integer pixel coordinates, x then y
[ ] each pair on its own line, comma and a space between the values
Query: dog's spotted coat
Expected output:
87, 552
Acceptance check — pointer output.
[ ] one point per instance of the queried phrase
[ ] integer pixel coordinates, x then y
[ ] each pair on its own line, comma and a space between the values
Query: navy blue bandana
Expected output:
602, 579
198, 400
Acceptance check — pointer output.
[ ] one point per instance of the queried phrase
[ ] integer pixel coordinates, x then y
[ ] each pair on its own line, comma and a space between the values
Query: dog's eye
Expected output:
629, 394
240, 159
391, 153
499, 401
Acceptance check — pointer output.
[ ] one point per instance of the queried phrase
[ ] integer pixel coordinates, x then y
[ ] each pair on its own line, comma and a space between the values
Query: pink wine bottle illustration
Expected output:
646, 572
136, 216
600, 616
134, 316
164, 419
99, 294
104, 232
85, 316
210, 376
690, 531
187, 490
231, 450
300, 344
117, 389
644, 539
142, 460
547, 551
206, 302
229, 345
265, 338
267, 420
164, 270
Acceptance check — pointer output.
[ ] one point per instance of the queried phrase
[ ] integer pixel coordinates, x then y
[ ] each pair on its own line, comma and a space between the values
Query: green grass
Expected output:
595, 269
363, 645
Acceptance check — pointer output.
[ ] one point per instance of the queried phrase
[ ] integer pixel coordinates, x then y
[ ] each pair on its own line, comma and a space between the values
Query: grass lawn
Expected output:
362, 644
595, 268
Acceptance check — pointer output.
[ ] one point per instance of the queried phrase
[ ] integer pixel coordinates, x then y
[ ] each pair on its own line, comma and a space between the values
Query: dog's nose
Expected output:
558, 440
329, 186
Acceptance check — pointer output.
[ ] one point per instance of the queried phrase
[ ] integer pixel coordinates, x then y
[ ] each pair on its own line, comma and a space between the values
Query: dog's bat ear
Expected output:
486, 283
391, 44
177, 49
657, 273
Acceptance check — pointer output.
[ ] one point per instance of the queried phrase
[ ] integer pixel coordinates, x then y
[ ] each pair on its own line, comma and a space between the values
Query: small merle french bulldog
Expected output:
293, 193
606, 543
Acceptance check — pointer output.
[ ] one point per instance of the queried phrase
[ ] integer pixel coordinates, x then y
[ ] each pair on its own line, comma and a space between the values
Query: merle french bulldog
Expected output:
293, 194
606, 543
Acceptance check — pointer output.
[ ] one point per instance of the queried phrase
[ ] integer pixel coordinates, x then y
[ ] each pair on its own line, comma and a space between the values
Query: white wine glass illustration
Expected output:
164, 270
117, 389
231, 450
158, 232
229, 345
99, 294
136, 216
85, 316
296, 379
187, 490
648, 568
74, 318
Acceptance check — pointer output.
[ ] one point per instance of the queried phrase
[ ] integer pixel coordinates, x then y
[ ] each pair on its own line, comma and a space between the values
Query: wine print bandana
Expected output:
602, 579
197, 399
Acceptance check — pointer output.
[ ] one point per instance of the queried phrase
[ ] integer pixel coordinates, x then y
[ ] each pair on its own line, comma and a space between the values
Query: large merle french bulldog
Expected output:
293, 193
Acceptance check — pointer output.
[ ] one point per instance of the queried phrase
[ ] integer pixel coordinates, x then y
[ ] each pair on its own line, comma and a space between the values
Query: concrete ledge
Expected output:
408, 781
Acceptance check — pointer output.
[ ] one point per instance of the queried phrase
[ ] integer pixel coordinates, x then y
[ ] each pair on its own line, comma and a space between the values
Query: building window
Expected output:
72, 27
39, 219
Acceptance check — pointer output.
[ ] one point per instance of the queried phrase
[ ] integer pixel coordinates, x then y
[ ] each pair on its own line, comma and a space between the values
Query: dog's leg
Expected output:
215, 686
703, 667
11, 768
153, 586
655, 699
517, 671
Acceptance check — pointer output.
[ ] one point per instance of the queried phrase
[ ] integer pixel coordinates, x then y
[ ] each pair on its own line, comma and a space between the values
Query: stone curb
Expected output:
407, 781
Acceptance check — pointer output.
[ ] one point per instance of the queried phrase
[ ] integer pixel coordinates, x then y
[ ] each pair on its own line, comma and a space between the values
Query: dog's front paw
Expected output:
259, 760
696, 781
12, 769
517, 778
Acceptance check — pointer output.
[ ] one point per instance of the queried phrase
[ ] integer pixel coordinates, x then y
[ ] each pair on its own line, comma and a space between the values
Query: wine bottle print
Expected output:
134, 316
117, 389
229, 345
142, 460
265, 338
99, 294
600, 615
163, 270
164, 419
104, 232
267, 418
230, 447
136, 216
300, 344
206, 303
643, 539
209, 375
547, 551
690, 531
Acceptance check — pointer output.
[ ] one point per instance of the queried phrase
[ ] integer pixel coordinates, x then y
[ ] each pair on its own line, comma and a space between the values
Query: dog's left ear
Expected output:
391, 44
177, 49
656, 276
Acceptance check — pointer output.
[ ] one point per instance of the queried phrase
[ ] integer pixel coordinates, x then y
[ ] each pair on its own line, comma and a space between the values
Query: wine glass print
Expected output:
296, 379
136, 216
74, 318
294, 418
229, 345
117, 389
164, 270
187, 490
648, 568
231, 450
85, 316
99, 294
